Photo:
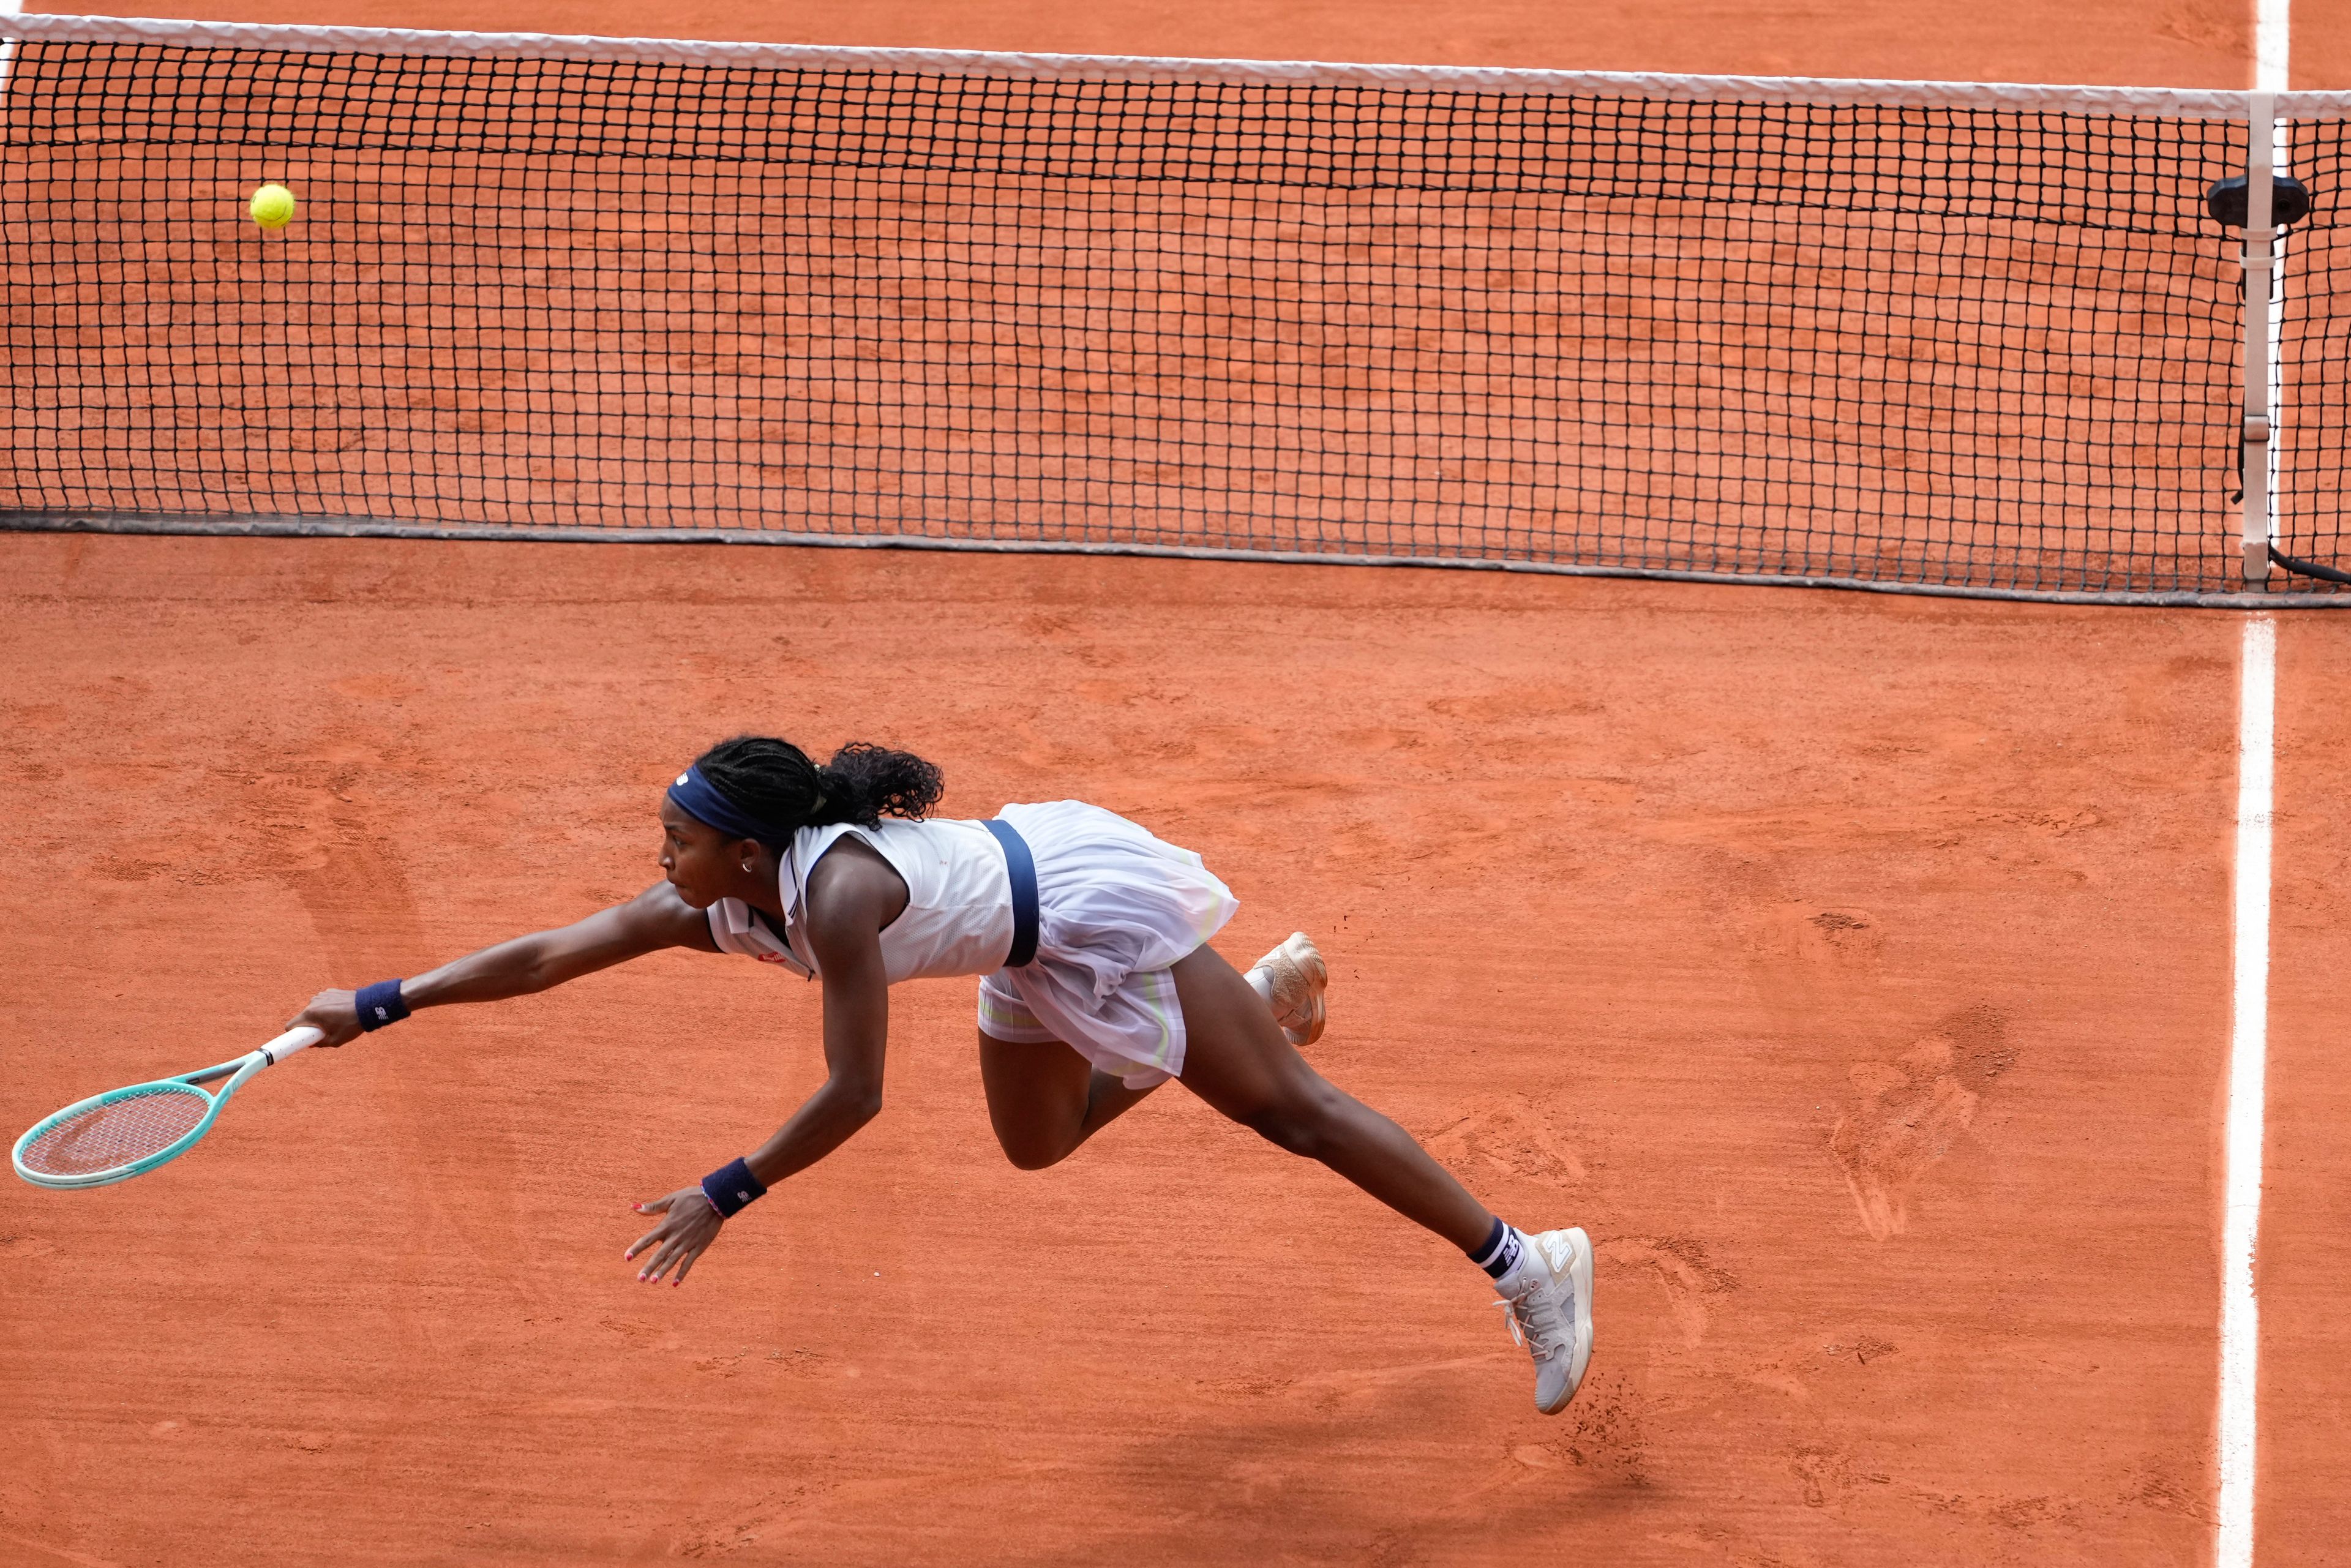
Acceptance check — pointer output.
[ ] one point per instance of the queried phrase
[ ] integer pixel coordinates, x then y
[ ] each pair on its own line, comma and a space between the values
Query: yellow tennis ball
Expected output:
272, 206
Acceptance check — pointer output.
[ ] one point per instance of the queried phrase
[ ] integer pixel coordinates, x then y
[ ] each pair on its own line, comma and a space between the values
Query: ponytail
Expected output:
864, 782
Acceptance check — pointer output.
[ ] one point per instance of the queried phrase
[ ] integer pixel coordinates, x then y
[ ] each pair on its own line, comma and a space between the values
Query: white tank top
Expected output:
958, 914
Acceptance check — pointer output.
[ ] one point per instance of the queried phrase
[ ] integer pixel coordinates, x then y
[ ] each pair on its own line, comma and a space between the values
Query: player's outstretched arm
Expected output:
852, 894
654, 919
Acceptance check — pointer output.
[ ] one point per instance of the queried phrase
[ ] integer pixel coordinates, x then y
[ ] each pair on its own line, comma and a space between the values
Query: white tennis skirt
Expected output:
1115, 907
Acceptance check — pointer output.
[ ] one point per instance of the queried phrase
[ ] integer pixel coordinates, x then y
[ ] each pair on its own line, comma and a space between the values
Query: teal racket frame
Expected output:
238, 1071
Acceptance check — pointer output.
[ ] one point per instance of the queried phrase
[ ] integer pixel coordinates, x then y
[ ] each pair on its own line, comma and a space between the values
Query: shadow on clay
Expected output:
1324, 1473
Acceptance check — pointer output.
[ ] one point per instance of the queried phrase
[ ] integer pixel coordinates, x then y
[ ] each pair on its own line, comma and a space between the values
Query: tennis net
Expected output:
1946, 338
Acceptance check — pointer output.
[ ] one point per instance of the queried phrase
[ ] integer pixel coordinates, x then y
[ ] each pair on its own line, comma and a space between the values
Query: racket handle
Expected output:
292, 1040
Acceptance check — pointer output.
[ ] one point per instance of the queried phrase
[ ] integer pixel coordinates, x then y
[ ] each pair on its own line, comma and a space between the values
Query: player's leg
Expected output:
1044, 1099
1236, 1059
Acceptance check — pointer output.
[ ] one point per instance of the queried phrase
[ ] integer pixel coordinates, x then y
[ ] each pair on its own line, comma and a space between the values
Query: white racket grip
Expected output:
292, 1040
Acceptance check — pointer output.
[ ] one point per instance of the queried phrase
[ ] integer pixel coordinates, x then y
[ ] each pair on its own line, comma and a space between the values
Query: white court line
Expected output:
2248, 1058
2272, 33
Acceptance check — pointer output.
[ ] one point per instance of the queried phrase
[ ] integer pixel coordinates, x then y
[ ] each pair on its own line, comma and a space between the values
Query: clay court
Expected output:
1856, 969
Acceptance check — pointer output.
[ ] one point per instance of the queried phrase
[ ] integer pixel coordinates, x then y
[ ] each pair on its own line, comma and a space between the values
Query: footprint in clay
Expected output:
1906, 1113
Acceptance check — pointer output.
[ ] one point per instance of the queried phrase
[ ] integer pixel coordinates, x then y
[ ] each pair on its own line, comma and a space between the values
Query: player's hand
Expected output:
688, 1225
334, 1014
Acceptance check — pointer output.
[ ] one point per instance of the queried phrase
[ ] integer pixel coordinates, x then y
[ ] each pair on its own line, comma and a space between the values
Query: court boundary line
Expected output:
2297, 595
2248, 1068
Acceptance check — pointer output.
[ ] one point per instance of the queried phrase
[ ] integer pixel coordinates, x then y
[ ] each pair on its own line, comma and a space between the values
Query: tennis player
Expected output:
1097, 985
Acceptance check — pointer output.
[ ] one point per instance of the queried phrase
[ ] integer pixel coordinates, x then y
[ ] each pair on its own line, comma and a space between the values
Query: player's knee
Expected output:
1033, 1154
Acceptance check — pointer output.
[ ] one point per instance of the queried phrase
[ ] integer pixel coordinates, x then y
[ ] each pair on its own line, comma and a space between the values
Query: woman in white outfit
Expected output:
1097, 985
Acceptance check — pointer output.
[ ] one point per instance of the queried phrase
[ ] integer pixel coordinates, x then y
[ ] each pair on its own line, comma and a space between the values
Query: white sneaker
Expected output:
1296, 978
1549, 1299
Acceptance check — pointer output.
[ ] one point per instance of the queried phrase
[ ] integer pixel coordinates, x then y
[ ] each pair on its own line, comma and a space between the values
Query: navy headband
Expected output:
700, 799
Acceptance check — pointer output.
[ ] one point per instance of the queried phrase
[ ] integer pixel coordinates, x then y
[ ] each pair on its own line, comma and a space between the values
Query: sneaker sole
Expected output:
1299, 949
1309, 959
1572, 1257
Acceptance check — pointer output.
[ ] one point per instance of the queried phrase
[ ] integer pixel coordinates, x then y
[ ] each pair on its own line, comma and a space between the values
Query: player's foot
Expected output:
1549, 1299
1295, 979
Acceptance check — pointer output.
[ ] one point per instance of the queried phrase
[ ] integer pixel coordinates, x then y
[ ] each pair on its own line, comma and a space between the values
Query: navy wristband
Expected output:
379, 1004
731, 1187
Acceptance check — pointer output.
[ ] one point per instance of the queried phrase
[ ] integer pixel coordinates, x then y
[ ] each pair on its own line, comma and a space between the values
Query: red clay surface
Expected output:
2304, 1514
2167, 43
1854, 969
2320, 53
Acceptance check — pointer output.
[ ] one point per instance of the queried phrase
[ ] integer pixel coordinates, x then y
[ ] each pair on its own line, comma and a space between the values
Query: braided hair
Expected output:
776, 782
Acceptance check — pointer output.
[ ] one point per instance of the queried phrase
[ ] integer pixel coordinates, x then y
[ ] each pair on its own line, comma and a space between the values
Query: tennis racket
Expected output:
125, 1133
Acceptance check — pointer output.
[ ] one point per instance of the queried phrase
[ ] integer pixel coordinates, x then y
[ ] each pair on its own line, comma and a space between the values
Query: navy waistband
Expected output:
1023, 867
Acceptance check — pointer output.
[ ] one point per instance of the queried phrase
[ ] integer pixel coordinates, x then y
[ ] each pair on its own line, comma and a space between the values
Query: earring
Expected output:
746, 865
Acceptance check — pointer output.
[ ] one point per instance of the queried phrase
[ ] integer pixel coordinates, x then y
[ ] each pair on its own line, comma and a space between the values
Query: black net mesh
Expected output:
144, 1121
1964, 348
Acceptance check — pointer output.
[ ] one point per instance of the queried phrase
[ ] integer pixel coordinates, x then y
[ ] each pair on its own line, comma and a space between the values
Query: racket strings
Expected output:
107, 1137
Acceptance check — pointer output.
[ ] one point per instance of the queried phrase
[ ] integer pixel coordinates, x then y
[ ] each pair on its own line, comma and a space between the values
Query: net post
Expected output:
2260, 236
